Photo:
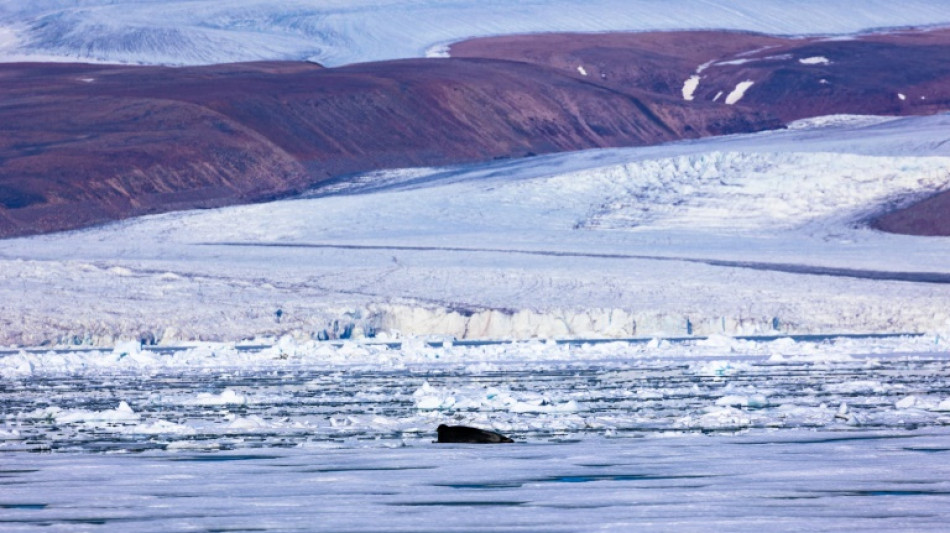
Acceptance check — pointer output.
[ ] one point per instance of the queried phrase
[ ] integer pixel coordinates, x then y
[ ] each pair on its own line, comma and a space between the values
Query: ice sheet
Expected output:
739, 235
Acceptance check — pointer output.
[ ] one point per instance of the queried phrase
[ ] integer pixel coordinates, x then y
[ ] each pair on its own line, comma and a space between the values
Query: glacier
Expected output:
758, 234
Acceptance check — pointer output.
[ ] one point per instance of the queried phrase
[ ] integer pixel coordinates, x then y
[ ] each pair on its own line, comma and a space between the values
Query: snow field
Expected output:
335, 33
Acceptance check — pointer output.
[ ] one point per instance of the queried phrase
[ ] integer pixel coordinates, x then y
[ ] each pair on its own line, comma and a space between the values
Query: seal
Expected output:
469, 435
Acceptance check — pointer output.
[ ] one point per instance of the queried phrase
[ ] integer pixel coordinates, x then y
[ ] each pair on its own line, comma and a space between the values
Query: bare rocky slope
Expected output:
895, 73
85, 144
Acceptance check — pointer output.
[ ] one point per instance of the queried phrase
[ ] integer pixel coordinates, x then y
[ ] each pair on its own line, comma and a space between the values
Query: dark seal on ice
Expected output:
469, 435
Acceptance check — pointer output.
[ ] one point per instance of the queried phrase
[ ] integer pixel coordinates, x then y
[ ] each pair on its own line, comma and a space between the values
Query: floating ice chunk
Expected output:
162, 427
906, 403
251, 422
815, 60
733, 401
718, 418
857, 386
755, 401
726, 343
545, 407
739, 91
581, 70
902, 96
286, 347
689, 87
127, 348
723, 368
721, 341
943, 406
193, 445
228, 397
122, 413
428, 397
9, 434
19, 364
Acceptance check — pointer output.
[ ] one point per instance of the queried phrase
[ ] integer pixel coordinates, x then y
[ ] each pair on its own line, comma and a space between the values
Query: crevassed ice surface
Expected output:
739, 235
338, 32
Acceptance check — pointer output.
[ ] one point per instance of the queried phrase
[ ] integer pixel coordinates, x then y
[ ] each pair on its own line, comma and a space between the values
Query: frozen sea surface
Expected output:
714, 434
774, 481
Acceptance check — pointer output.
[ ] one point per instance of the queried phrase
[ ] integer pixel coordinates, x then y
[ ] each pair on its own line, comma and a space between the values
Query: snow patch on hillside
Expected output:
816, 60
690, 86
738, 92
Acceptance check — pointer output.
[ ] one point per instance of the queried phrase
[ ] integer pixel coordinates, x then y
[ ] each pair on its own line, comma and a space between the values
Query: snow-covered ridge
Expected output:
334, 33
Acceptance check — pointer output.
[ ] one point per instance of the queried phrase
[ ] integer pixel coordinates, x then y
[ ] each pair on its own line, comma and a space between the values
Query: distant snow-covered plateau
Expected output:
336, 32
